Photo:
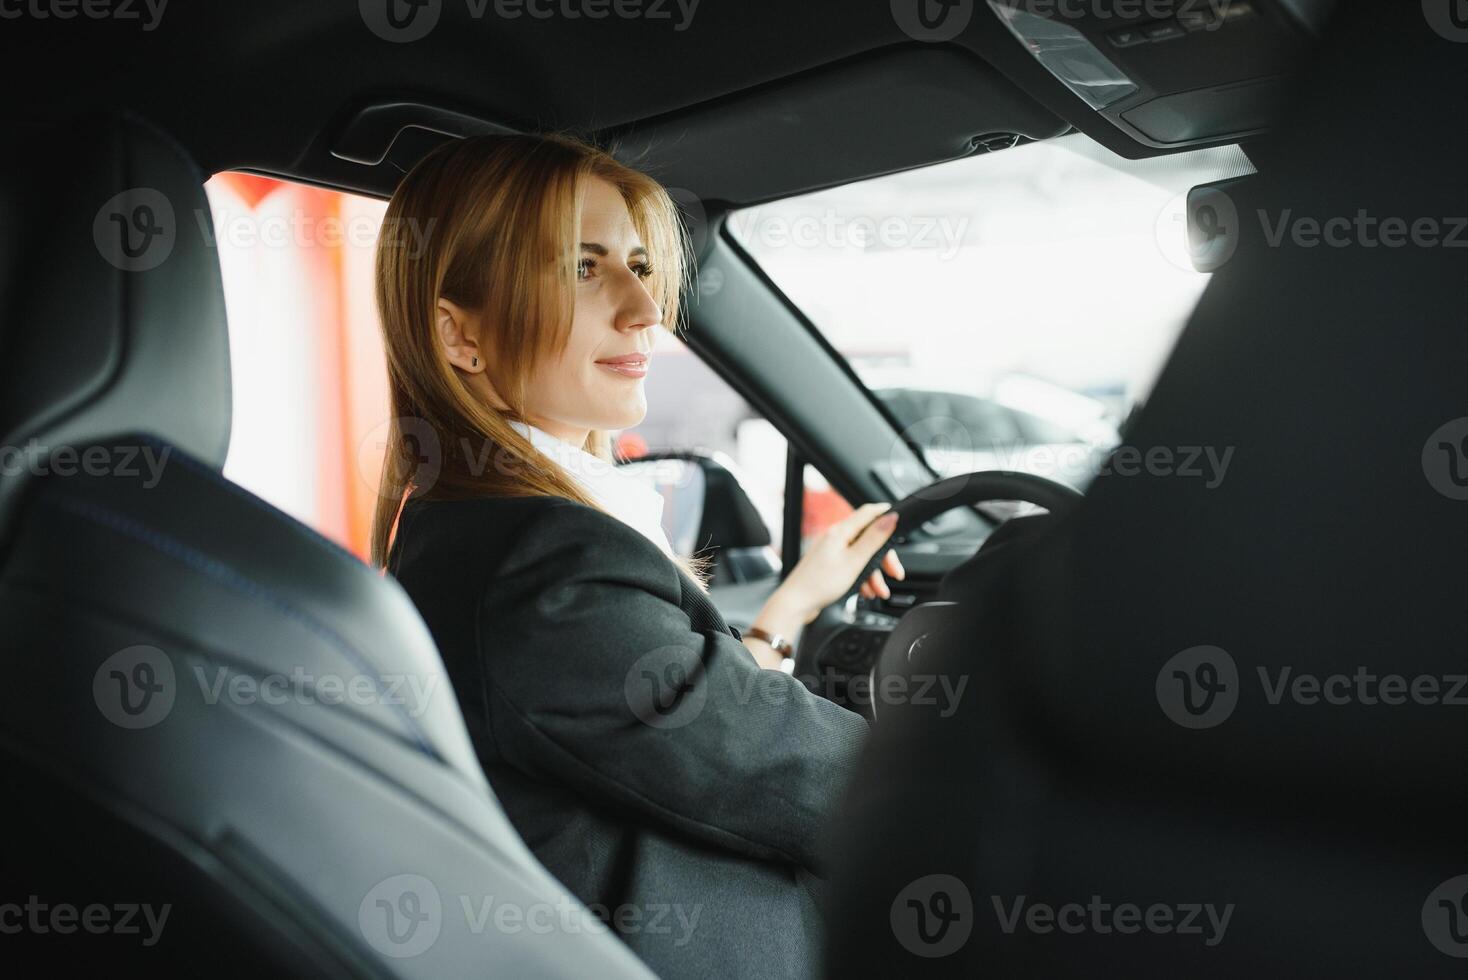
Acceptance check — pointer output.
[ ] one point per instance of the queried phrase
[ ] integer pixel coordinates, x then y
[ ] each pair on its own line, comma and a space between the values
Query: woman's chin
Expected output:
627, 414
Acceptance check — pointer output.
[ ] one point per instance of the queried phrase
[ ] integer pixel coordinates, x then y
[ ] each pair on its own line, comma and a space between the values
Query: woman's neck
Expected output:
566, 433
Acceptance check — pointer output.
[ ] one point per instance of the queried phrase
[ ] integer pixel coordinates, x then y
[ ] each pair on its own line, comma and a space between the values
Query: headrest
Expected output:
1310, 519
111, 305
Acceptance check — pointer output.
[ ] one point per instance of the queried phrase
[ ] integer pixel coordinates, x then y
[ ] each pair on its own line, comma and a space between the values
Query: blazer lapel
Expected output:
702, 614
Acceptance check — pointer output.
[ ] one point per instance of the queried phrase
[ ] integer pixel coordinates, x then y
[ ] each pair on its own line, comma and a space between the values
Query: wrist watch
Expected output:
781, 645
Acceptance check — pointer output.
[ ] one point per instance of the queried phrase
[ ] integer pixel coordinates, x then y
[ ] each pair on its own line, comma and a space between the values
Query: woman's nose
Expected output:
638, 308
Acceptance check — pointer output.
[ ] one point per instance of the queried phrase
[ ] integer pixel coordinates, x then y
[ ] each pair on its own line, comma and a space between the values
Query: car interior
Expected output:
275, 832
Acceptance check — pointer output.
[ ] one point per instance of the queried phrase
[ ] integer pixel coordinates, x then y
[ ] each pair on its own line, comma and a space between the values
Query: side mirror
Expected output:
708, 509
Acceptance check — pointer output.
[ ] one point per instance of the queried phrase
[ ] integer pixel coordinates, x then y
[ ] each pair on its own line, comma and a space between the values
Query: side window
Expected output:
308, 373
708, 452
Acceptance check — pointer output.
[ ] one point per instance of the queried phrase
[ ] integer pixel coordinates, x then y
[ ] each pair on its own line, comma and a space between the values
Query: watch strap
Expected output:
780, 645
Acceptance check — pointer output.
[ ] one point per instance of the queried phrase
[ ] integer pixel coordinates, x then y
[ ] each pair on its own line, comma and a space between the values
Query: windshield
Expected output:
1011, 309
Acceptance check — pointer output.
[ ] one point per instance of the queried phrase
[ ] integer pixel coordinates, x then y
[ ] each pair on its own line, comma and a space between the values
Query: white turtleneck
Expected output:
622, 495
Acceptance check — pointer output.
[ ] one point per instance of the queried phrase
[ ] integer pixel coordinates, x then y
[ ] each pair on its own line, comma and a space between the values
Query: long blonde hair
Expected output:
493, 223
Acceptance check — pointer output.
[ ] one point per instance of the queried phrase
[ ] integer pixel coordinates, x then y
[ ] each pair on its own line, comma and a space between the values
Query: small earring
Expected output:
475, 362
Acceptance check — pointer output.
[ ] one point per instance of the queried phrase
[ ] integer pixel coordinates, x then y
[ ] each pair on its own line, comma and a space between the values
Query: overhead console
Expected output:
892, 109
1168, 73
889, 110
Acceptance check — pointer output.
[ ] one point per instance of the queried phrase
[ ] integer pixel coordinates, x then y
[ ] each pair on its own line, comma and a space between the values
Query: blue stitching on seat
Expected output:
231, 577
302, 531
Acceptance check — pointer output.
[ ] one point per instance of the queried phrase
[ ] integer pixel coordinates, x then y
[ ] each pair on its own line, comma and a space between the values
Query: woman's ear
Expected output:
458, 333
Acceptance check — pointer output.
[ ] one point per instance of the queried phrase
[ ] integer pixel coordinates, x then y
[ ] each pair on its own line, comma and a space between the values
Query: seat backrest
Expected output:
211, 713
1178, 695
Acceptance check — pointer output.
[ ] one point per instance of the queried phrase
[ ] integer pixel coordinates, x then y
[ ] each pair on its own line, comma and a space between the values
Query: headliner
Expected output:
269, 85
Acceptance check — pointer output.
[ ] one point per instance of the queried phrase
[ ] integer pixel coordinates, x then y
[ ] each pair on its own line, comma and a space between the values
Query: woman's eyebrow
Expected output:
640, 252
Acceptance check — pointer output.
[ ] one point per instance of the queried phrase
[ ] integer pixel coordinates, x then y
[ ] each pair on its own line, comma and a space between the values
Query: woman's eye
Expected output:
586, 269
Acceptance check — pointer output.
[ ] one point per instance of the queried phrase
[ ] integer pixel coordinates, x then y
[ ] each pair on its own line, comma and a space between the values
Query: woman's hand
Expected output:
833, 561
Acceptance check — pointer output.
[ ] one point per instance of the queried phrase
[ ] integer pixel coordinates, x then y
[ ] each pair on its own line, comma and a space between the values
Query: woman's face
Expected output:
580, 391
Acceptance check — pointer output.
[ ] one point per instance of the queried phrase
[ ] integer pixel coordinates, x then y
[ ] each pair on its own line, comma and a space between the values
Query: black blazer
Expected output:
672, 784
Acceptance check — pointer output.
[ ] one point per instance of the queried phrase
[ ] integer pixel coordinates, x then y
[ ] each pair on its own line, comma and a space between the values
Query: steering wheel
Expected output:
916, 509
860, 646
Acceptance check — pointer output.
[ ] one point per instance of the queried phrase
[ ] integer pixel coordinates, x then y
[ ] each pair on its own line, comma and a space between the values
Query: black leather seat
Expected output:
1074, 774
208, 707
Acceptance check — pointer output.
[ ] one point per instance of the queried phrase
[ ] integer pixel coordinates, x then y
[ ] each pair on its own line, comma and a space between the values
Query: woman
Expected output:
634, 739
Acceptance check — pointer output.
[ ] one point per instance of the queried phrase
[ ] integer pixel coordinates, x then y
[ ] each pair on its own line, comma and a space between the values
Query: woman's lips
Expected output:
627, 365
